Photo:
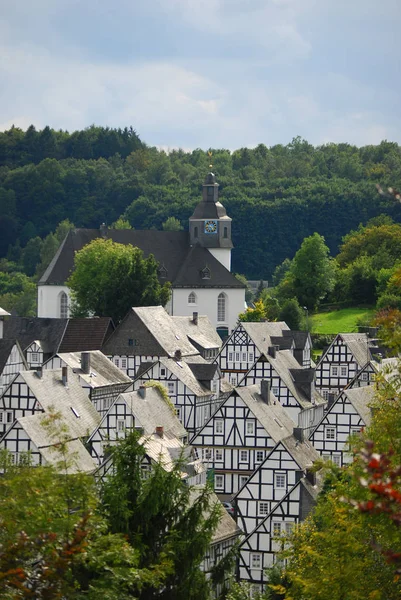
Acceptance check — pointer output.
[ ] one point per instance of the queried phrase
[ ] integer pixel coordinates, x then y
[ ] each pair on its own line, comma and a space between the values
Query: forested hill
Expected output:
276, 196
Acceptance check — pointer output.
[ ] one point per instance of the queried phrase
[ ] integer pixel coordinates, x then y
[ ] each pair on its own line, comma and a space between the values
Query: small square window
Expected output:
336, 458
242, 480
250, 428
365, 376
334, 371
218, 426
289, 527
344, 371
256, 561
207, 454
117, 362
123, 363
260, 455
276, 391
170, 388
280, 480
219, 482
244, 455
163, 372
264, 508
325, 394
218, 454
276, 528
330, 433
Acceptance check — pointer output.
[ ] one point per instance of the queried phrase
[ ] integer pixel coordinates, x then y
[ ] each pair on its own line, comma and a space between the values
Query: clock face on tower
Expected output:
210, 226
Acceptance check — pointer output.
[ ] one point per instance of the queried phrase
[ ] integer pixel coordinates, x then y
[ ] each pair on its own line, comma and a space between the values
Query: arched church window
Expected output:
63, 304
221, 307
192, 298
225, 232
195, 232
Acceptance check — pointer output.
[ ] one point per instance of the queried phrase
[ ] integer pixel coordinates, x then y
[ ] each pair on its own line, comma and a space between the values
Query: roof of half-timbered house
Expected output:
303, 452
148, 331
70, 399
86, 334
199, 331
6, 346
187, 373
102, 371
226, 527
168, 451
74, 458
261, 333
359, 345
361, 399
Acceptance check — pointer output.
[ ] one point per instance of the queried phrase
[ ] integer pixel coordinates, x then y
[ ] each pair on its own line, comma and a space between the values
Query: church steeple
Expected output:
209, 226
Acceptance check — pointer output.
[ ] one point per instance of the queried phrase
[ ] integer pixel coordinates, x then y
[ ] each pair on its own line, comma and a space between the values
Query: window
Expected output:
233, 379
219, 482
244, 455
106, 403
120, 425
207, 454
264, 508
325, 394
218, 455
280, 480
242, 480
218, 426
192, 298
214, 386
260, 455
344, 371
9, 416
230, 357
276, 391
170, 388
276, 528
334, 371
289, 527
365, 376
35, 357
63, 304
250, 428
336, 458
355, 430
250, 357
205, 273
256, 561
145, 471
163, 372
221, 307
178, 412
330, 433
244, 357
117, 362
237, 357
123, 363
1, 416
225, 232
162, 272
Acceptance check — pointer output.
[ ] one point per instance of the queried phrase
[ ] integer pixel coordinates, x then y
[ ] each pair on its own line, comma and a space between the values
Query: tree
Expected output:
109, 278
258, 313
312, 273
292, 314
121, 224
169, 523
172, 224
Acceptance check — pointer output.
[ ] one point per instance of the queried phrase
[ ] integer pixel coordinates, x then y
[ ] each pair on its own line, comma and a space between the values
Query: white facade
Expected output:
52, 302
223, 255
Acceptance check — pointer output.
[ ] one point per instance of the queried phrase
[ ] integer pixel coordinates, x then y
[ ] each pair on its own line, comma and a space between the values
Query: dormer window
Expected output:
205, 273
162, 272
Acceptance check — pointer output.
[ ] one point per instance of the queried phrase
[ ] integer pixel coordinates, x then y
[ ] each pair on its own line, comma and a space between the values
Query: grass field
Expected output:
340, 321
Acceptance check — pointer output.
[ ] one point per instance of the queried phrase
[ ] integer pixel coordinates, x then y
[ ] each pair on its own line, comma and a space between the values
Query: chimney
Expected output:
265, 390
159, 431
142, 391
195, 318
298, 434
310, 475
64, 376
85, 362
177, 355
272, 351
39, 372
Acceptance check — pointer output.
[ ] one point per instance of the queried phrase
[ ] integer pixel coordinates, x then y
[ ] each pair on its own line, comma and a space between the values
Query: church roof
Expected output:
171, 249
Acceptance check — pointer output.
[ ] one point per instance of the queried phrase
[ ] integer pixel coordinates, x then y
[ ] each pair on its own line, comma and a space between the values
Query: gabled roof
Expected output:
202, 334
5, 350
86, 334
359, 344
154, 333
75, 455
70, 400
361, 399
4, 313
302, 452
273, 417
168, 450
170, 248
102, 371
227, 527
203, 371
153, 411
182, 371
261, 333
30, 329
300, 338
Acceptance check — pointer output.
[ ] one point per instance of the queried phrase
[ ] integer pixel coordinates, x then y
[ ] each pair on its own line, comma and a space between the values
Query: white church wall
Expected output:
49, 300
206, 304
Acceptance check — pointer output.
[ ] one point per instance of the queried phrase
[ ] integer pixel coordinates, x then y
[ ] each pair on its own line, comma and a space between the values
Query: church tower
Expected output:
209, 226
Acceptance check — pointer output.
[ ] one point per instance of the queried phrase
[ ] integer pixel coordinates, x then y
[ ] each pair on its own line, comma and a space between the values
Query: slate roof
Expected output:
203, 371
300, 338
273, 417
153, 411
170, 248
182, 371
26, 330
49, 390
203, 334
302, 452
361, 399
261, 333
5, 350
359, 344
168, 450
77, 457
227, 527
155, 331
102, 371
86, 334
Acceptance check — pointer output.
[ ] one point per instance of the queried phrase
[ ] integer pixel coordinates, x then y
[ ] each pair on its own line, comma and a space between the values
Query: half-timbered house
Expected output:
101, 379
12, 361
31, 392
193, 387
259, 549
201, 333
288, 462
240, 434
344, 358
346, 415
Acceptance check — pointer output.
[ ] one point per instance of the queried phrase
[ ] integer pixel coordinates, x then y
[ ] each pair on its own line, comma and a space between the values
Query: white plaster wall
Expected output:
206, 304
223, 255
48, 300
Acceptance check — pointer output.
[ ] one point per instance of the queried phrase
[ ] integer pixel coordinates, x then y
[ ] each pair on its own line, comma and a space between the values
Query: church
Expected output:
196, 262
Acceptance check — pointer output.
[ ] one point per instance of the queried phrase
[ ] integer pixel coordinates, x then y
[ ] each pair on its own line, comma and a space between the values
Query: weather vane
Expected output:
210, 158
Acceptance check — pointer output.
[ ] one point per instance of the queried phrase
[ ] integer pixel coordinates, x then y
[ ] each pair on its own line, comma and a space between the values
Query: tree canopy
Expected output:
109, 278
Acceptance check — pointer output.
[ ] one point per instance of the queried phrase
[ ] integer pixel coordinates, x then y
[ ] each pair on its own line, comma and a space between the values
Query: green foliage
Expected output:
172, 224
258, 313
121, 224
292, 314
248, 289
109, 278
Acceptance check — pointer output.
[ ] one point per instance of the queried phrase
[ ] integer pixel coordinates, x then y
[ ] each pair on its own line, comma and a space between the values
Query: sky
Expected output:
205, 73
